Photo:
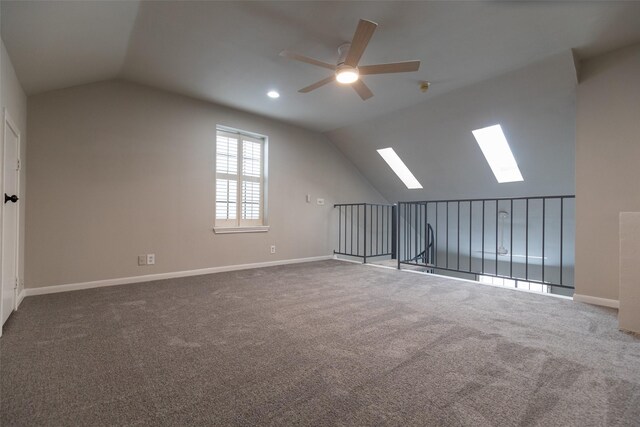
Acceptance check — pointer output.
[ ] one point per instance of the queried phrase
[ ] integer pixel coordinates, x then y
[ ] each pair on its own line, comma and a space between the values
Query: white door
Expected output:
9, 200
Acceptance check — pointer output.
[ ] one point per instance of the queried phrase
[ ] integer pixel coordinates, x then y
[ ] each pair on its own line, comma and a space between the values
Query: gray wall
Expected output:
14, 100
607, 165
117, 169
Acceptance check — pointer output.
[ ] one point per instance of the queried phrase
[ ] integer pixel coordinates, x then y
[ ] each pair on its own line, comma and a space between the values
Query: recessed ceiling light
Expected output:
389, 155
273, 94
496, 150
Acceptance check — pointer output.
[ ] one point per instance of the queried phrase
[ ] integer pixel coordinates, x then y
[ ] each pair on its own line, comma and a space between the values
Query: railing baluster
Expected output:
381, 231
447, 228
358, 231
390, 227
496, 270
345, 230
393, 226
383, 250
364, 235
351, 229
482, 237
526, 244
406, 234
377, 230
437, 235
561, 236
419, 222
416, 231
379, 237
384, 230
470, 236
543, 233
339, 228
429, 236
371, 230
458, 235
398, 234
511, 241
425, 227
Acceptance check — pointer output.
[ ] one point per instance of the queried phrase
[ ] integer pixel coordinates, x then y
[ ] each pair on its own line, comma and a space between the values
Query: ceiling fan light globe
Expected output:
347, 76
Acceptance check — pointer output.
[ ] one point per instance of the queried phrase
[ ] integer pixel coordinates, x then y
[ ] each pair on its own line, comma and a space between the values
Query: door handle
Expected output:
8, 198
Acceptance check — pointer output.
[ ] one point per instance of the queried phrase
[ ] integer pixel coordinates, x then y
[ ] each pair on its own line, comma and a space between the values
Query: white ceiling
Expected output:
227, 52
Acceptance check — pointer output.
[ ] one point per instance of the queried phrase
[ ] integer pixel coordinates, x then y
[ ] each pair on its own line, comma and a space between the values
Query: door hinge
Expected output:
18, 165
17, 281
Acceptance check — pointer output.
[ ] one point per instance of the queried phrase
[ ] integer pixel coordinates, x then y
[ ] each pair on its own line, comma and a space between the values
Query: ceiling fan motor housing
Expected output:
343, 50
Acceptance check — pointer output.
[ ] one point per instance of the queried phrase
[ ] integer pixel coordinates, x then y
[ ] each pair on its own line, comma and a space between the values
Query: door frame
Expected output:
9, 125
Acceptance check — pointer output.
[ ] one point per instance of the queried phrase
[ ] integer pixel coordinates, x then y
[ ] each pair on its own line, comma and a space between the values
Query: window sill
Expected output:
249, 229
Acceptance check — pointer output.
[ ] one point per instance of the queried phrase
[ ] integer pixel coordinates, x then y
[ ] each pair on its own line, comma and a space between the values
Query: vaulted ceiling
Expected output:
227, 52
534, 105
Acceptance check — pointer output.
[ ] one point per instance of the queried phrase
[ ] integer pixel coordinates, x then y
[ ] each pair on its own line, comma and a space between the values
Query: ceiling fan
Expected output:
347, 70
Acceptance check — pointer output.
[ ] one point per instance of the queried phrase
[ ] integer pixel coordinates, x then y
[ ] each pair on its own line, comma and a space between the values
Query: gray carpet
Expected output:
325, 343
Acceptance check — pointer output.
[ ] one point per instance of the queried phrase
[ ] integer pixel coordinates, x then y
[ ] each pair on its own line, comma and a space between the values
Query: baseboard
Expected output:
161, 276
612, 303
21, 296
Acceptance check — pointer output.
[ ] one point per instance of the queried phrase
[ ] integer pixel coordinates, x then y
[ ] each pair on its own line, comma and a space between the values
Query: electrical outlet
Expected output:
151, 259
142, 260
273, 249
320, 201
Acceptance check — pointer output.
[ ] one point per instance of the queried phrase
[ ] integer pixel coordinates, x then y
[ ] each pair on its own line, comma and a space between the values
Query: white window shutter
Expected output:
239, 180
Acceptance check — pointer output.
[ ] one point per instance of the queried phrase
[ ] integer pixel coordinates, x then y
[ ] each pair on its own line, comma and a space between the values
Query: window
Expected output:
496, 150
240, 179
397, 165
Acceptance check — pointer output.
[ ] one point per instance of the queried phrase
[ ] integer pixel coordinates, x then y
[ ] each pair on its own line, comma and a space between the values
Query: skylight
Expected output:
496, 150
398, 166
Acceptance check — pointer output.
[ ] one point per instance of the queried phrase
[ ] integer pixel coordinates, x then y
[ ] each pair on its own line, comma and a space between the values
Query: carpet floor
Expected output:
323, 343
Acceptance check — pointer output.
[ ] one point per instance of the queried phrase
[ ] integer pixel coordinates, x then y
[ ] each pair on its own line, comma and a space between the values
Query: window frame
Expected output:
238, 225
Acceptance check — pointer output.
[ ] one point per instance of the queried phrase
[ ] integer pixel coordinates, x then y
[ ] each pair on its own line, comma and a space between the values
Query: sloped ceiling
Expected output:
535, 107
55, 44
227, 52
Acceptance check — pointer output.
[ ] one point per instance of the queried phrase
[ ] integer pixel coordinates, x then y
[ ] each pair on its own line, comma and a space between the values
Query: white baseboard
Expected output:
612, 303
161, 276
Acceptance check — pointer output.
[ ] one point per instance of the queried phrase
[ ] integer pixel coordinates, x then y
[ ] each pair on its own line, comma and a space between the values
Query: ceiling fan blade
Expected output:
362, 89
394, 67
361, 38
316, 85
302, 58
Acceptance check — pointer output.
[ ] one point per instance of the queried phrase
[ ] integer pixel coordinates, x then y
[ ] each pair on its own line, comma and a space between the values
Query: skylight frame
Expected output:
399, 168
498, 154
